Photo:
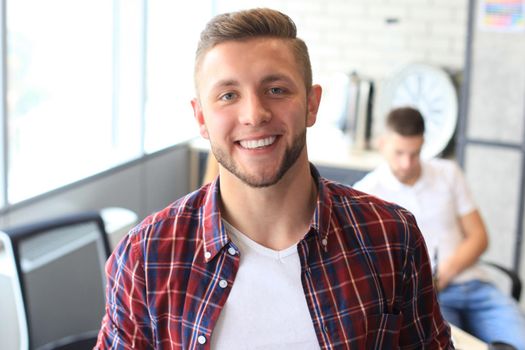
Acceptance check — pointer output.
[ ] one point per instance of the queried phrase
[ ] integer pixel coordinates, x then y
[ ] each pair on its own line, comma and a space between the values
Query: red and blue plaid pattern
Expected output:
365, 272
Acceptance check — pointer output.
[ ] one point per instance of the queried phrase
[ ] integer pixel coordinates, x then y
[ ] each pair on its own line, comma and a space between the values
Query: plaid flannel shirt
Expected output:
364, 269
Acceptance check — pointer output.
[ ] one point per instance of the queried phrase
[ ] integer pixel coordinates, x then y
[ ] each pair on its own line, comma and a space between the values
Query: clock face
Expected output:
431, 91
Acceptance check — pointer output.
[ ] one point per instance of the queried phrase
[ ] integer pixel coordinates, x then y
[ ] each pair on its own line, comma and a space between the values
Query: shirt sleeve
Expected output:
126, 324
463, 197
423, 325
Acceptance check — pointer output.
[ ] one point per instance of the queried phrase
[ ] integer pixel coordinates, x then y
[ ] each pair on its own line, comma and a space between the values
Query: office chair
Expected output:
60, 278
514, 279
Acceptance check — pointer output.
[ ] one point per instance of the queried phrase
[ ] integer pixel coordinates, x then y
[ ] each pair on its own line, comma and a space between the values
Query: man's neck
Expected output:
276, 216
412, 180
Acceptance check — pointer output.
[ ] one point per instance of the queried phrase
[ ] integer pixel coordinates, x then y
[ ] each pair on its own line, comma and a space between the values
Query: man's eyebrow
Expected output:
225, 83
276, 77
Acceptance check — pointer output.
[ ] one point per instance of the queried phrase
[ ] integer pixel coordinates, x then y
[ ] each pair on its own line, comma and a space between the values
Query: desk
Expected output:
464, 341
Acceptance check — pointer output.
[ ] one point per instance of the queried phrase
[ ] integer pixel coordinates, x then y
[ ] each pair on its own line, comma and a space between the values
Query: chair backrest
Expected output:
513, 280
60, 273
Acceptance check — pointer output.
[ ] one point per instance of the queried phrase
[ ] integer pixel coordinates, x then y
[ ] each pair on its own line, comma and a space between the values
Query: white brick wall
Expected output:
346, 35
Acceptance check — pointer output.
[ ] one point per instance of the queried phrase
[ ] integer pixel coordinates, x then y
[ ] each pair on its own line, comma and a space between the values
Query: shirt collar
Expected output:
323, 211
214, 232
391, 182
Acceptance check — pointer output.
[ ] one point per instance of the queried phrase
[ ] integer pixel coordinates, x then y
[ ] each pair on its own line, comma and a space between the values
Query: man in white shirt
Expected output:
436, 192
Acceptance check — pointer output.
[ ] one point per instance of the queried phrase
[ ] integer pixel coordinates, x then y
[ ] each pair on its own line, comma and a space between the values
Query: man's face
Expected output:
402, 155
254, 108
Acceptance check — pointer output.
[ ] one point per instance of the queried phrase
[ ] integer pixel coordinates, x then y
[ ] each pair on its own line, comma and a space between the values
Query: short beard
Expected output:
290, 157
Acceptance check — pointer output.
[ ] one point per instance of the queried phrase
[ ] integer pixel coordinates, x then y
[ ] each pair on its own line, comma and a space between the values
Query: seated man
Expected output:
436, 192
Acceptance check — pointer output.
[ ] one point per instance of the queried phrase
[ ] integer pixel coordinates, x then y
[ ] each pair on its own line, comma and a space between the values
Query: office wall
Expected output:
346, 35
143, 186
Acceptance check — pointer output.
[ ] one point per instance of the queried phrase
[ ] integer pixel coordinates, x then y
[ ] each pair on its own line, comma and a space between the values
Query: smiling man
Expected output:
269, 255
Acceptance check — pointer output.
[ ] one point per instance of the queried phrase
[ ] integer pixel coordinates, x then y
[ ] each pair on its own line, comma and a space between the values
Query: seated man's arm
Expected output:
475, 242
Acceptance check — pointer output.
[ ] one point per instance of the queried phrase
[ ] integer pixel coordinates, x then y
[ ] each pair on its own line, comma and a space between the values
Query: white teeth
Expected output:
251, 144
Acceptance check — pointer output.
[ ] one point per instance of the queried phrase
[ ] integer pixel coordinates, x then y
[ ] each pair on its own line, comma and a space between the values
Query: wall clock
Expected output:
431, 90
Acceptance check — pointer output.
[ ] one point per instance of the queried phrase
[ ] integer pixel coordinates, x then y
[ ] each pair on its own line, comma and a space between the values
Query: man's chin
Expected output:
405, 178
259, 175
259, 180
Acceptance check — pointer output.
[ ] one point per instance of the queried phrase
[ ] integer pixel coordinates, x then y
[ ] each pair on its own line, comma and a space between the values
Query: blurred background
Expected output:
95, 99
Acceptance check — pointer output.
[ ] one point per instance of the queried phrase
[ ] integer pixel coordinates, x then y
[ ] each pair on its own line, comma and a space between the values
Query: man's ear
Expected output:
314, 99
199, 117
381, 142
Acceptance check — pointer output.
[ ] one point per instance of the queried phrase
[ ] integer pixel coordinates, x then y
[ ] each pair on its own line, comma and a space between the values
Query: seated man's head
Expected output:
402, 142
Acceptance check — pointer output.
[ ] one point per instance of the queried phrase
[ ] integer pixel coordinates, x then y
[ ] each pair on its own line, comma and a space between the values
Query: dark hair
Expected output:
406, 121
254, 23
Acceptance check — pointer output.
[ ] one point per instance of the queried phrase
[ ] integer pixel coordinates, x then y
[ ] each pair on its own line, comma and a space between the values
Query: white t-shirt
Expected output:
438, 199
266, 308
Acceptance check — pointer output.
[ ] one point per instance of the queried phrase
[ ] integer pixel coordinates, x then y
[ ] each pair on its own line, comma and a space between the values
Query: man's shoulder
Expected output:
442, 165
173, 234
442, 170
373, 180
343, 195
380, 221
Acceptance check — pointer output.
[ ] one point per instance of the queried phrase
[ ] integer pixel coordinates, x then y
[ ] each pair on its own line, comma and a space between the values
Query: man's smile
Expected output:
259, 143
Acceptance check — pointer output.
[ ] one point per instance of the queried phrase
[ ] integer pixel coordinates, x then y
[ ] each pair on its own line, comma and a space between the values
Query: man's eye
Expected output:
228, 96
276, 91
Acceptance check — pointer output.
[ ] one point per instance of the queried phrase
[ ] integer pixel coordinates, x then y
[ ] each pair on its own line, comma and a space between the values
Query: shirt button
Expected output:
223, 284
232, 251
201, 339
207, 255
324, 241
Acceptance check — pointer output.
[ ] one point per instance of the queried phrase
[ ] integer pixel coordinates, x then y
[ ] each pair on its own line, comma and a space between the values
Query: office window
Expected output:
92, 84
61, 59
173, 32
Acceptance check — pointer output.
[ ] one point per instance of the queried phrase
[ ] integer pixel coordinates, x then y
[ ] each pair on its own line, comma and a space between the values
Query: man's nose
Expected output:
406, 162
254, 111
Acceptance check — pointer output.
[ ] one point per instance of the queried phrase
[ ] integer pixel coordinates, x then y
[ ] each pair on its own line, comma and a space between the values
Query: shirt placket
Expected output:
225, 266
